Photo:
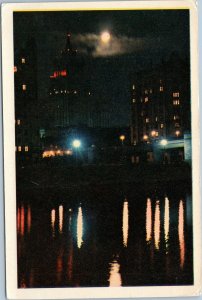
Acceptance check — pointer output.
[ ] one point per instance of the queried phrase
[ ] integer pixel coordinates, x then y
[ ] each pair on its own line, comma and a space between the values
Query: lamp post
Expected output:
76, 144
164, 142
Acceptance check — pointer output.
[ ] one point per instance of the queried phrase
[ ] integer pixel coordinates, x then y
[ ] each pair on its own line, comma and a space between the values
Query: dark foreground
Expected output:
112, 235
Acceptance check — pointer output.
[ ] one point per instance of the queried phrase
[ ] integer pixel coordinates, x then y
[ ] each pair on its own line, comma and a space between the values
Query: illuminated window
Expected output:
146, 92
23, 60
15, 69
176, 94
176, 102
19, 148
156, 119
161, 89
133, 87
134, 100
162, 125
150, 91
146, 99
176, 117
157, 134
24, 87
75, 92
147, 120
177, 125
26, 148
18, 122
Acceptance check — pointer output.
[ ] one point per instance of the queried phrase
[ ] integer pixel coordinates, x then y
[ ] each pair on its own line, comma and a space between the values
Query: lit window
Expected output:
23, 60
15, 69
150, 91
134, 100
147, 120
89, 93
26, 148
146, 99
177, 125
176, 117
133, 87
176, 102
145, 137
24, 87
162, 125
156, 119
176, 94
18, 122
75, 92
157, 134
19, 148
161, 89
146, 92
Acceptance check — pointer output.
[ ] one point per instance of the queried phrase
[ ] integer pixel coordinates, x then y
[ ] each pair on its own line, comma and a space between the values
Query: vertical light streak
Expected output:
22, 221
60, 218
125, 226
29, 219
79, 228
18, 220
181, 234
157, 224
166, 223
59, 268
53, 222
149, 221
114, 274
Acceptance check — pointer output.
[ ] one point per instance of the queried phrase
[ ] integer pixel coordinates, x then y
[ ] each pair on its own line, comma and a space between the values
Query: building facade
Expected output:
160, 102
26, 100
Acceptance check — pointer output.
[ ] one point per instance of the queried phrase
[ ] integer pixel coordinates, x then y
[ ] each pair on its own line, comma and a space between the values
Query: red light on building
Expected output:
56, 74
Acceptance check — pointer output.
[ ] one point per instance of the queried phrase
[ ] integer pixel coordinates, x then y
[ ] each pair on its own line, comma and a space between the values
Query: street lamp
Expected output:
164, 142
76, 144
122, 138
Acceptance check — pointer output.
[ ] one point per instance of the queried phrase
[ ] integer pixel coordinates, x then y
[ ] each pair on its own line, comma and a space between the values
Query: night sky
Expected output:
139, 39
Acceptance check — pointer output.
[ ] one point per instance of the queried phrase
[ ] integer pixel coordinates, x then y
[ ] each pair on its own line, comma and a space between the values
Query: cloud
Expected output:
118, 45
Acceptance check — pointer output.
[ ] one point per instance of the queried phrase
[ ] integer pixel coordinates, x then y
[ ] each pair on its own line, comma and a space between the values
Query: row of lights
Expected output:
155, 133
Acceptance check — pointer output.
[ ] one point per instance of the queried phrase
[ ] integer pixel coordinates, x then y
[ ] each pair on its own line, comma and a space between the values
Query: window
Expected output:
157, 134
150, 91
23, 60
26, 148
156, 119
177, 125
147, 120
162, 125
24, 87
19, 148
18, 122
176, 94
146, 92
134, 100
176, 117
161, 89
75, 92
146, 99
176, 102
133, 87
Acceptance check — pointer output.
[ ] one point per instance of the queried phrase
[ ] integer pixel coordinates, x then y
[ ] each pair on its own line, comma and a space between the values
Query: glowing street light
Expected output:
164, 142
76, 144
122, 138
177, 132
105, 37
145, 137
153, 133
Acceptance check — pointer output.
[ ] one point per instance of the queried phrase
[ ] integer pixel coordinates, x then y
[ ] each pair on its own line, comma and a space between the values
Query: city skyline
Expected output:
134, 45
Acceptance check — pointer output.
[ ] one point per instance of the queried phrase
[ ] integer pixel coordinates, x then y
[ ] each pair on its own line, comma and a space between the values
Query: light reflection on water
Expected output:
181, 234
154, 218
114, 274
79, 228
125, 226
148, 221
157, 225
166, 223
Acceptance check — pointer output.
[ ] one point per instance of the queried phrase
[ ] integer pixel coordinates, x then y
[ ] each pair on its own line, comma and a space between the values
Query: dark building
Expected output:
71, 101
160, 102
26, 103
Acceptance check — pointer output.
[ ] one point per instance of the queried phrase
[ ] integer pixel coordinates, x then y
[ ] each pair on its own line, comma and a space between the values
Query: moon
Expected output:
105, 37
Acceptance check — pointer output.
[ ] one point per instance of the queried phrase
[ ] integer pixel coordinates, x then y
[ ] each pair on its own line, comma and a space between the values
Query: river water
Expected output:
105, 238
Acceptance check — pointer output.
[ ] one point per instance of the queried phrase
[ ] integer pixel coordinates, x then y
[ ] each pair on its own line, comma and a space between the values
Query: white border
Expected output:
9, 155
